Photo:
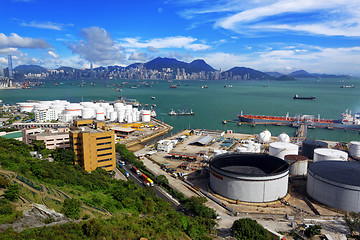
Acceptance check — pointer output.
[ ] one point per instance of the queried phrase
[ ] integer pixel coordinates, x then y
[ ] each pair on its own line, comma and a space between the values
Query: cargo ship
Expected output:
347, 120
304, 98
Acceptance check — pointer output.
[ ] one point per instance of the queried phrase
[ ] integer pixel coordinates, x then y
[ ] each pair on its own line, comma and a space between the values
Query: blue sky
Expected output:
321, 36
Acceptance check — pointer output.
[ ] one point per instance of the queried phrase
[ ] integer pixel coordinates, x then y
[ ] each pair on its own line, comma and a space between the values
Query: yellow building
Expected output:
93, 148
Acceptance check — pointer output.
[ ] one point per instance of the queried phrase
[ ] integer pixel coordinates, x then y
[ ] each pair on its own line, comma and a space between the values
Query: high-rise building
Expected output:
11, 75
93, 148
2, 73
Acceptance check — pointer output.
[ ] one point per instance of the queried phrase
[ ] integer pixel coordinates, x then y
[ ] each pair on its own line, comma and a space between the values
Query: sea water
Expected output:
216, 103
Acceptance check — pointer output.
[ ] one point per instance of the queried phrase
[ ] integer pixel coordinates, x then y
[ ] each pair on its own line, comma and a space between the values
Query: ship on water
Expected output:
347, 120
304, 98
181, 113
347, 86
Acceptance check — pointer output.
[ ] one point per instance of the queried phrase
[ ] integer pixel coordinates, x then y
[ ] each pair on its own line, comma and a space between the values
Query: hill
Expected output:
248, 73
274, 74
193, 67
285, 78
26, 69
305, 74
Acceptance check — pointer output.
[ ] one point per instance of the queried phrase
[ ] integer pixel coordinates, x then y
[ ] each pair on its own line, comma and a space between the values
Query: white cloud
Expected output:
98, 47
138, 56
310, 58
46, 25
53, 54
167, 42
152, 49
16, 41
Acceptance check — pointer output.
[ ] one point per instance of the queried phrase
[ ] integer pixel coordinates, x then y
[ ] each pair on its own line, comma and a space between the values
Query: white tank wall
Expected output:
323, 154
100, 114
26, 107
354, 149
249, 189
145, 116
299, 168
281, 149
333, 194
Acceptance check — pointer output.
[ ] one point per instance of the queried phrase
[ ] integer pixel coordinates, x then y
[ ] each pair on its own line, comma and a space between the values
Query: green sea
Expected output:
216, 103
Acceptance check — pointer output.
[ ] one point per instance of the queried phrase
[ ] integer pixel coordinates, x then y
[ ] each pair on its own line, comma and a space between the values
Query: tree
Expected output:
65, 156
71, 208
248, 229
161, 180
12, 192
313, 230
3, 182
38, 145
352, 220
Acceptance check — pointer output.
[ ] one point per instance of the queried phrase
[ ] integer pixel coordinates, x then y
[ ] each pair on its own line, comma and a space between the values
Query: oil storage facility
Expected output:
249, 177
335, 184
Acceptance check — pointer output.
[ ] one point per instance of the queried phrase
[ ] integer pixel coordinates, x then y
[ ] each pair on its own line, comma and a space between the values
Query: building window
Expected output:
103, 149
105, 154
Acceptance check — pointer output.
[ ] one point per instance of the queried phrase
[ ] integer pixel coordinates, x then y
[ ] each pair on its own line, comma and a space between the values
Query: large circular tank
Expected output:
121, 116
129, 118
324, 154
336, 184
100, 114
283, 138
26, 107
354, 149
298, 164
88, 113
73, 109
308, 147
41, 106
249, 177
264, 136
113, 116
145, 116
281, 149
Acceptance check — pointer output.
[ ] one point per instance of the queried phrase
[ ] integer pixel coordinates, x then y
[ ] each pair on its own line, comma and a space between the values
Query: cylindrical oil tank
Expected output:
281, 149
354, 149
100, 114
308, 147
121, 116
335, 184
283, 138
88, 113
104, 104
249, 177
129, 107
129, 118
73, 109
26, 107
113, 116
41, 107
298, 164
145, 116
264, 136
324, 154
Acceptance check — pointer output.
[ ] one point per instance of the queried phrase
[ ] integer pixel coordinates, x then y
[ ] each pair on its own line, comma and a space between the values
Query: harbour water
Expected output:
216, 103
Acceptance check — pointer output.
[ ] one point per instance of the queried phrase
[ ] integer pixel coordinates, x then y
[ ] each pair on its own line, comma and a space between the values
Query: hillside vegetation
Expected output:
135, 212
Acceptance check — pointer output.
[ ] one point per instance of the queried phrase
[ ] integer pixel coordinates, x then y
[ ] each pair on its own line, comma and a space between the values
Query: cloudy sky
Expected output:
321, 36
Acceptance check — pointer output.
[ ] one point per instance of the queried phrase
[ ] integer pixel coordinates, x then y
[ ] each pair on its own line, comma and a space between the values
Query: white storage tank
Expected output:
100, 114
298, 164
104, 104
88, 113
113, 116
281, 149
121, 116
129, 107
264, 136
73, 109
283, 138
145, 116
26, 107
129, 118
354, 149
325, 154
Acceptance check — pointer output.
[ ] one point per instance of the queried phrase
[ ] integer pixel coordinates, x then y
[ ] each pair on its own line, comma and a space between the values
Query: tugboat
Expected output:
153, 98
304, 98
172, 113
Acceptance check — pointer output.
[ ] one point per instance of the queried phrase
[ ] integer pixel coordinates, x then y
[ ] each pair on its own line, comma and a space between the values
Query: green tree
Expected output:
12, 192
161, 180
65, 156
3, 182
38, 145
313, 230
248, 229
71, 208
352, 220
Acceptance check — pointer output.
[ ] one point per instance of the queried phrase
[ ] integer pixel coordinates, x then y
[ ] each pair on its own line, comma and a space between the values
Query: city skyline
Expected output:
279, 35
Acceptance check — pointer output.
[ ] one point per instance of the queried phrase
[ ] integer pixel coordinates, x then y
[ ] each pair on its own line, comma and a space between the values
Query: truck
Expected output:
135, 170
127, 174
146, 179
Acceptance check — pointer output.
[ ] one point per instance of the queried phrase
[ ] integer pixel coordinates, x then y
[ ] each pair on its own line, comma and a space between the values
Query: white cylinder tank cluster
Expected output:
354, 149
249, 147
264, 136
145, 115
325, 154
281, 149
298, 164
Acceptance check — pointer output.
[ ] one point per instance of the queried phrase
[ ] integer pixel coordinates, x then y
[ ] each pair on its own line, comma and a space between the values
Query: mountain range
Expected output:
196, 66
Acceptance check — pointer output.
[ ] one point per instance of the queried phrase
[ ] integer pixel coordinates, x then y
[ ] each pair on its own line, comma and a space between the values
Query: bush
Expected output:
71, 208
248, 229
12, 192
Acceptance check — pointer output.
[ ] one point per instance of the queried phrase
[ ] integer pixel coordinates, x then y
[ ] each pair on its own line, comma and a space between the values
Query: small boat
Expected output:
173, 86
133, 87
172, 113
153, 98
347, 86
228, 86
119, 90
304, 98
204, 86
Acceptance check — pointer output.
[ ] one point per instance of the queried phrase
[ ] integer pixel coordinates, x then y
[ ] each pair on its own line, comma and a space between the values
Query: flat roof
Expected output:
184, 154
121, 129
204, 140
338, 171
12, 135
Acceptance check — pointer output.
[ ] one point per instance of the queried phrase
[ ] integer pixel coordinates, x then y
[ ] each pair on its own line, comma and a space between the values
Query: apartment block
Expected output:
93, 148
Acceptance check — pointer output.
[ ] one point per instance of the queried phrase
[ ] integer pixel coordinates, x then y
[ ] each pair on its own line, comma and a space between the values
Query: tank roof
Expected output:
338, 171
250, 164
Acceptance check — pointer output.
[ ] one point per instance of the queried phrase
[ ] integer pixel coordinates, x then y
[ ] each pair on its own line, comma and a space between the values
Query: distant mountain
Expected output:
285, 78
305, 74
274, 74
26, 69
134, 65
193, 67
248, 73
